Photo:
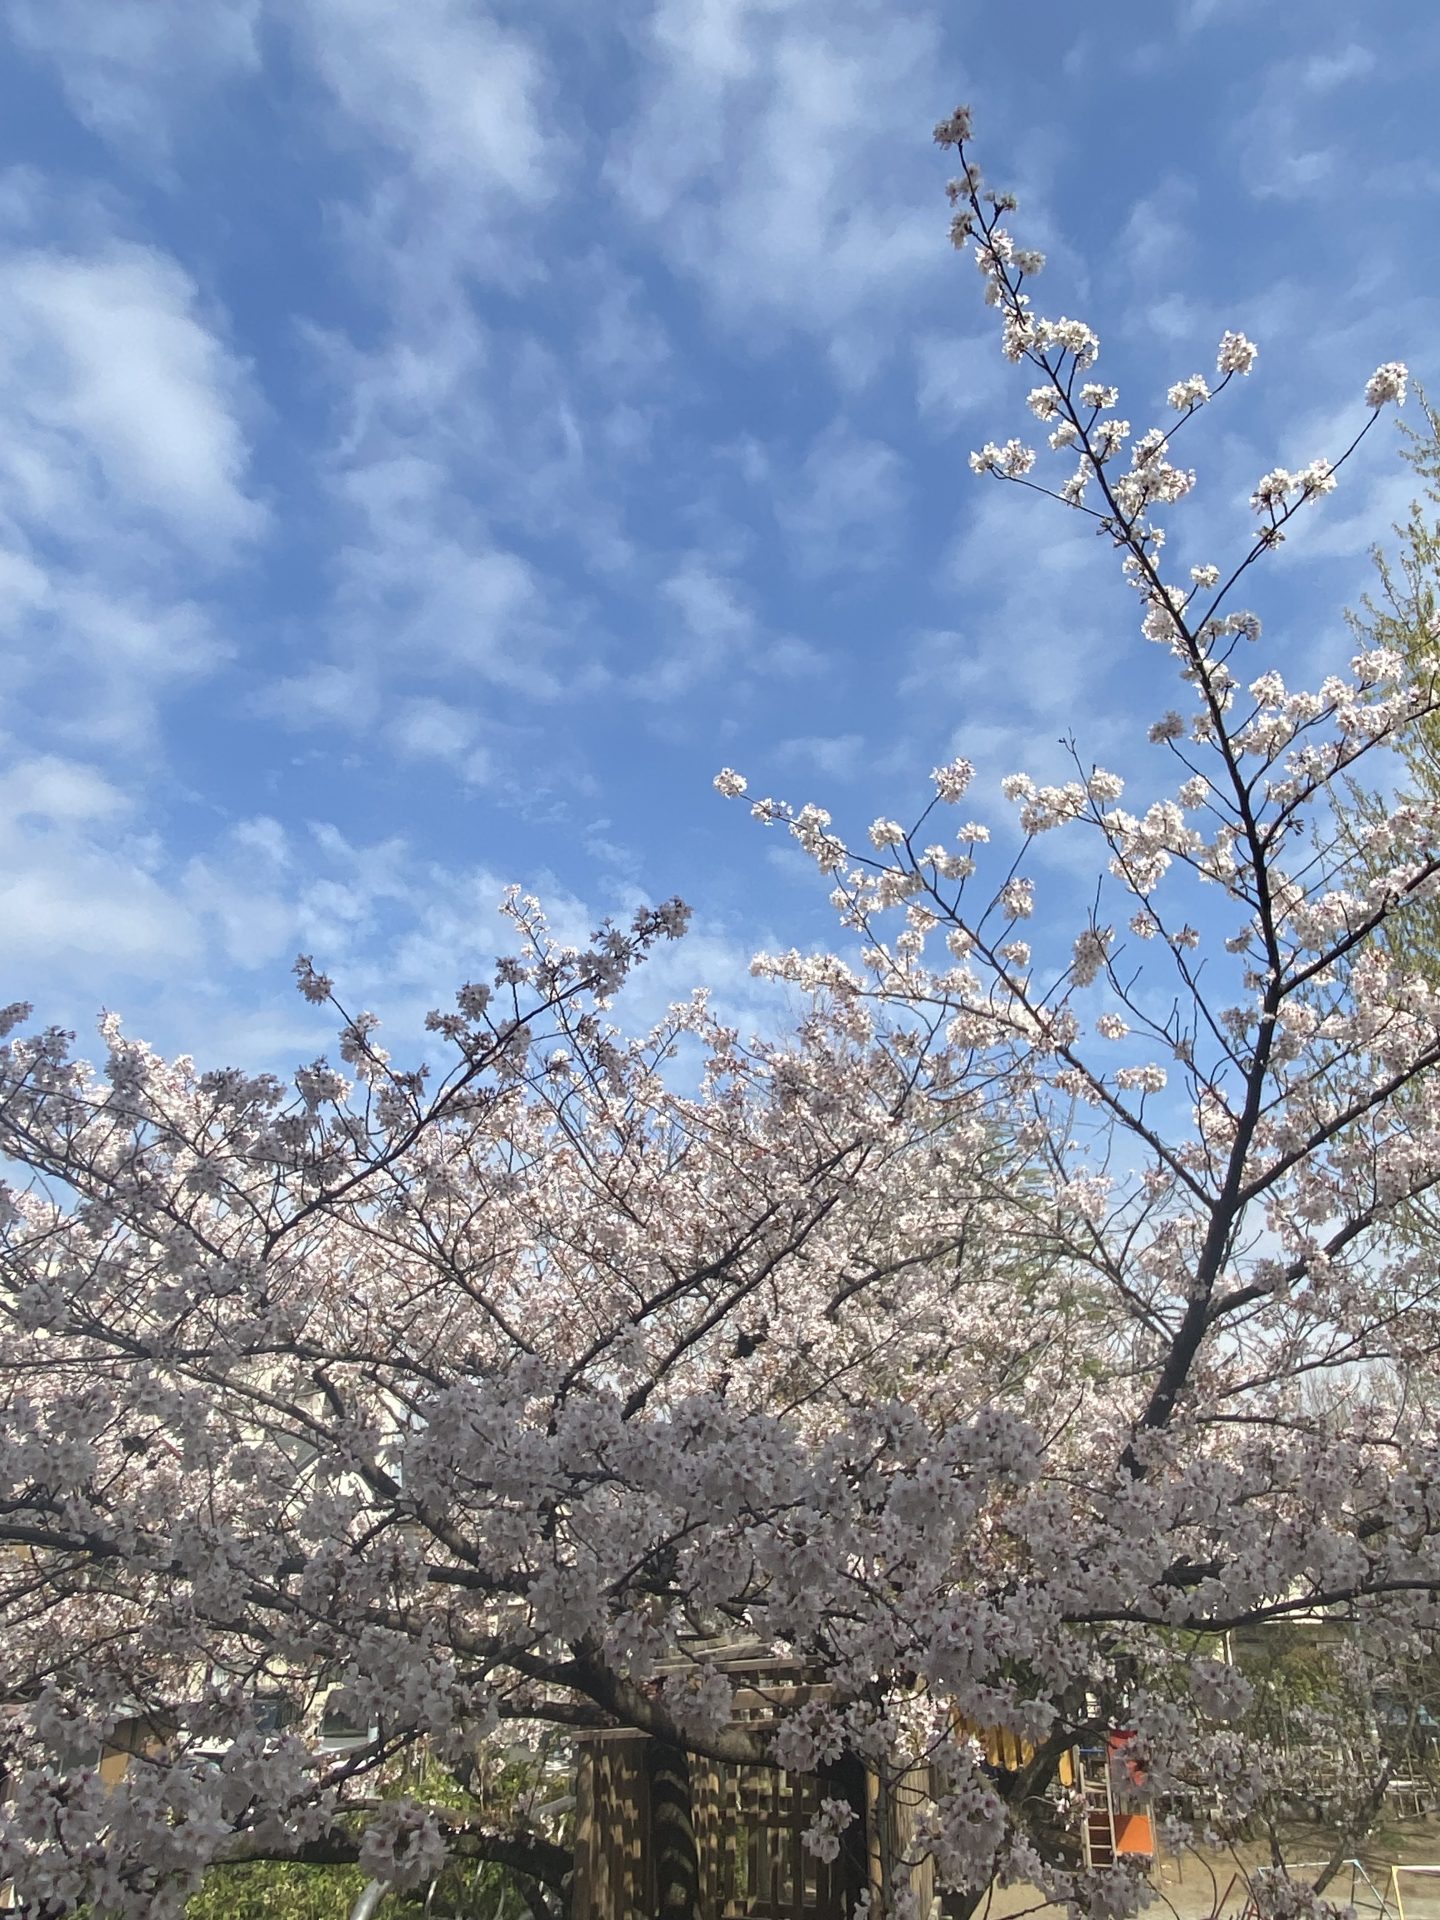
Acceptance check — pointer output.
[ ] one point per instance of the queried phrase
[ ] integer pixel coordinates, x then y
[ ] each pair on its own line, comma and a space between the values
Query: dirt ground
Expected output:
1211, 1886
1201, 1884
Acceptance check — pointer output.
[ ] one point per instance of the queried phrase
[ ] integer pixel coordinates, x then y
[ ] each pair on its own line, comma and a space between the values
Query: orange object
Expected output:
1133, 1831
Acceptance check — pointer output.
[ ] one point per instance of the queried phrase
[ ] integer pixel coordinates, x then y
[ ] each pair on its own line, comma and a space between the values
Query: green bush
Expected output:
278, 1890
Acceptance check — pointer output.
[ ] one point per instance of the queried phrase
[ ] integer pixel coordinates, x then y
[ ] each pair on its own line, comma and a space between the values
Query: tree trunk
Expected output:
845, 1780
672, 1832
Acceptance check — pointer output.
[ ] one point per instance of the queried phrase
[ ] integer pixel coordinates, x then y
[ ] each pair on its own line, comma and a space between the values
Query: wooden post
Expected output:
582, 1892
672, 1832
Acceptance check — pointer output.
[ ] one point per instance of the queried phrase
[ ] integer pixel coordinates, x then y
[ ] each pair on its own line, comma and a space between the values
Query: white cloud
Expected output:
1055, 626
264, 838
427, 599
236, 900
128, 66
447, 111
1157, 234
96, 913
715, 632
470, 513
439, 605
1290, 143
716, 627
426, 729
119, 399
778, 157
623, 342
836, 755
124, 475
323, 696
97, 910
449, 90
1195, 14
91, 652
957, 375
1323, 72
712, 633
53, 791
455, 96
843, 508
77, 898
467, 442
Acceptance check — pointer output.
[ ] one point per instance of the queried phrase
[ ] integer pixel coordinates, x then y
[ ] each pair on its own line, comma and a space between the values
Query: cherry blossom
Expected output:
991, 1338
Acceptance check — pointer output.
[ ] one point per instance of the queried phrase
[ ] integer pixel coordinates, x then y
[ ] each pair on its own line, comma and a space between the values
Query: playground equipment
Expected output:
1352, 1886
1108, 1829
1396, 1902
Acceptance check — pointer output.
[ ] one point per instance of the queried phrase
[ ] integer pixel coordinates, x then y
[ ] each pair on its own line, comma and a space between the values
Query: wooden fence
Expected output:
749, 1823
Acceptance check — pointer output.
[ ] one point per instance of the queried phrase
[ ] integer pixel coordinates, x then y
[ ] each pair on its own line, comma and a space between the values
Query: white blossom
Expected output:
1387, 383
1149, 1079
952, 780
1186, 394
1236, 355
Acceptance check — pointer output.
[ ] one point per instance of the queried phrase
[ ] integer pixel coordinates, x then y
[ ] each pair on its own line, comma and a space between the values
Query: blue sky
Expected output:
439, 435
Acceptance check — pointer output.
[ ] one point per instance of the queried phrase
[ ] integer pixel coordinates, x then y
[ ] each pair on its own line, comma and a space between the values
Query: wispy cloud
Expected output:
957, 376
76, 886
712, 631
131, 68
440, 107
124, 391
202, 945
125, 481
442, 85
836, 755
464, 425
775, 157
1291, 140
842, 509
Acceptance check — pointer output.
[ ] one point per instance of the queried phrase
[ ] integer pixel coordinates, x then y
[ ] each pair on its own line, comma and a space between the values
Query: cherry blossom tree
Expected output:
1403, 614
471, 1400
995, 1342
